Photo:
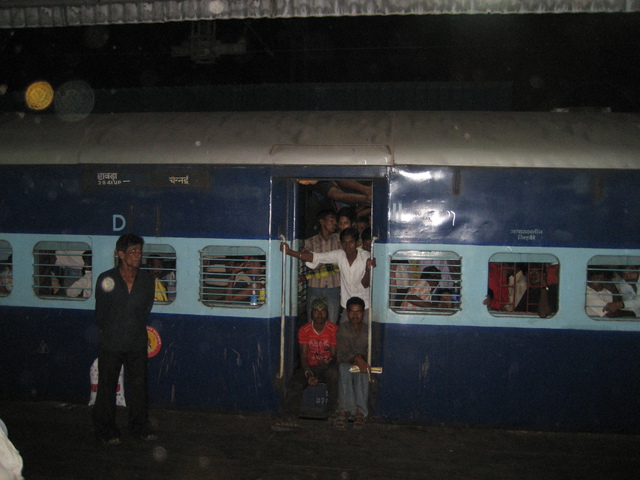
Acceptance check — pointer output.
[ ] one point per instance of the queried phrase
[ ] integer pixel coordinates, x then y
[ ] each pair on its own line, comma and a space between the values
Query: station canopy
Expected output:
69, 13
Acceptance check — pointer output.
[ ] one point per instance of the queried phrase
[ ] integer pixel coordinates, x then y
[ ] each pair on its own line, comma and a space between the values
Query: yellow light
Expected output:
39, 95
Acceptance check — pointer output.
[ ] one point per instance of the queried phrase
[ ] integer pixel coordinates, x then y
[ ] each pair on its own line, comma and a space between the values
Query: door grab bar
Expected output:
282, 307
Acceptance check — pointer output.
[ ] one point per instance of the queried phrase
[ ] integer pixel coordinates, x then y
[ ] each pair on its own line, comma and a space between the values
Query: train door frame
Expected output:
296, 208
286, 231
304, 222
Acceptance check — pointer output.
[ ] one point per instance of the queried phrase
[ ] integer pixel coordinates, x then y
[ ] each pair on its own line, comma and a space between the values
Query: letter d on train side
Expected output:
119, 223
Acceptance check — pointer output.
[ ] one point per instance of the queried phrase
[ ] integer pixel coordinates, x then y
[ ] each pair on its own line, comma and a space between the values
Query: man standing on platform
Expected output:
124, 297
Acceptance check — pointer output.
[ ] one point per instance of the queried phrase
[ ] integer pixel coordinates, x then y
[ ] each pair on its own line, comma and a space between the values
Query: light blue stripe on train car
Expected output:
187, 273
475, 261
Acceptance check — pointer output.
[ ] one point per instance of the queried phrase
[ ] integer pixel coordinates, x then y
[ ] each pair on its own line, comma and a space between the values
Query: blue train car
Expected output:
512, 210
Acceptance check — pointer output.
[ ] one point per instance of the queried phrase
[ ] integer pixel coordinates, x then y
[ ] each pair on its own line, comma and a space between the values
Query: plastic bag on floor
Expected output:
10, 459
93, 373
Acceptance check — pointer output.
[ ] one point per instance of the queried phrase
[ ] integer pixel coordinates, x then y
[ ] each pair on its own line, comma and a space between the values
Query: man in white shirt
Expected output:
597, 297
626, 282
355, 267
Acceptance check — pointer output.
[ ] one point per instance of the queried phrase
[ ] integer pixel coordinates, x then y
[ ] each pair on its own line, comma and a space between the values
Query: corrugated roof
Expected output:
65, 13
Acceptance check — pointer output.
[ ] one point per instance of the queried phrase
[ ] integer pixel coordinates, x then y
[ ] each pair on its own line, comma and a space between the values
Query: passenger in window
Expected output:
627, 284
445, 300
600, 293
551, 270
246, 282
539, 297
317, 344
47, 283
169, 279
324, 280
355, 267
82, 286
215, 278
498, 291
421, 294
517, 284
449, 275
70, 263
401, 275
6, 277
165, 282
530, 297
548, 304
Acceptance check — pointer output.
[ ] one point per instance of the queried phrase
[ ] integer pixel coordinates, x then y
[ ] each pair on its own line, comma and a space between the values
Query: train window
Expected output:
233, 277
425, 282
6, 268
62, 270
160, 261
612, 288
523, 284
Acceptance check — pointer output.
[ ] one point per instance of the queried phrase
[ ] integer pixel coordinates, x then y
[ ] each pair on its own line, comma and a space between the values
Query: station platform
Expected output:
56, 442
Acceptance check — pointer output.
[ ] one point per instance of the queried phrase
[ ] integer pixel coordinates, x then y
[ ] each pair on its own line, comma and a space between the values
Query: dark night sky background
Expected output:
552, 60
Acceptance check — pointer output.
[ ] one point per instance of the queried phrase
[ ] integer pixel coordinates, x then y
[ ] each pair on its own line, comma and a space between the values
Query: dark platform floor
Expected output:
56, 442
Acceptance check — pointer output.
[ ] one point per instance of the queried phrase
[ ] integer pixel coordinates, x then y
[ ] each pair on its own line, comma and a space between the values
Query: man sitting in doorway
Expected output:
318, 348
353, 347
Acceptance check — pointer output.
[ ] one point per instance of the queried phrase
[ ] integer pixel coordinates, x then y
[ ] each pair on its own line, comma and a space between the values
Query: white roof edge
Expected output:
460, 139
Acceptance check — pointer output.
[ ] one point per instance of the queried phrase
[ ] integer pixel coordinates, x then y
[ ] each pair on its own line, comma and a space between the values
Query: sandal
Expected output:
340, 421
286, 425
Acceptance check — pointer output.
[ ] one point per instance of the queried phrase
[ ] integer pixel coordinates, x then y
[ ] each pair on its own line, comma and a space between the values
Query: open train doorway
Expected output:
318, 209
326, 208
333, 215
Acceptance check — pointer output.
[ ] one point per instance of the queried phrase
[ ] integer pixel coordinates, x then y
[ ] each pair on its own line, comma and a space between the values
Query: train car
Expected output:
528, 223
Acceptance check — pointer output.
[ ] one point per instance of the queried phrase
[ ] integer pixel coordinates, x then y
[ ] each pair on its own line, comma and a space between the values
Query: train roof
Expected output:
492, 139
